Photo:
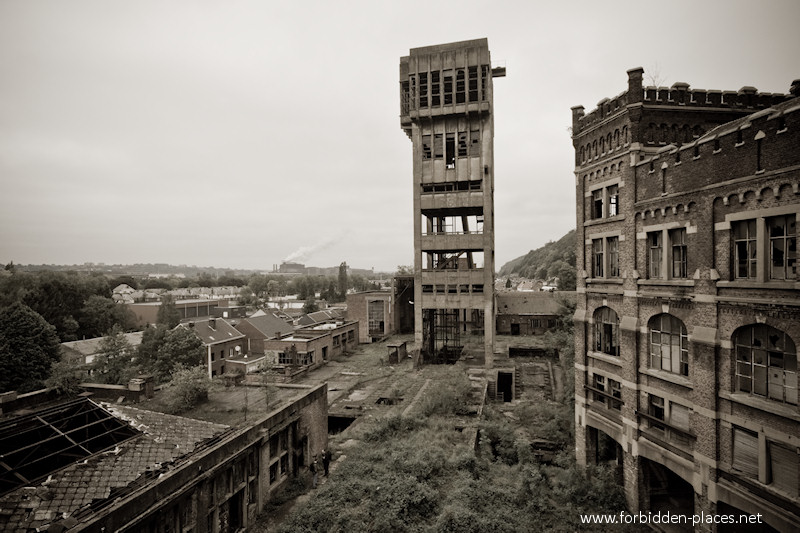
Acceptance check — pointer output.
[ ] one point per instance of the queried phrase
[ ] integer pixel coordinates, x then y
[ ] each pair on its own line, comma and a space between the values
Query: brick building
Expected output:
374, 312
688, 304
221, 342
529, 313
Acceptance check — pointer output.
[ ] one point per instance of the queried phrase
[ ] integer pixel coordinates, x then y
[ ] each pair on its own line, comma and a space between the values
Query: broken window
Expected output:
475, 143
655, 254
452, 186
677, 239
461, 93
656, 410
405, 101
423, 89
766, 363
426, 147
462, 144
448, 88
606, 331
473, 84
615, 388
612, 245
438, 146
450, 150
597, 203
484, 77
597, 258
375, 317
613, 200
435, 90
669, 344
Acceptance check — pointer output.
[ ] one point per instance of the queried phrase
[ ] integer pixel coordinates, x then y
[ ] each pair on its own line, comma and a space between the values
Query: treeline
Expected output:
78, 306
554, 259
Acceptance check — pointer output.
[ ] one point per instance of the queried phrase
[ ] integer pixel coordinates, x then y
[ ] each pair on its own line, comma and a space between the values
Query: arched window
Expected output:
606, 331
766, 363
582, 156
669, 344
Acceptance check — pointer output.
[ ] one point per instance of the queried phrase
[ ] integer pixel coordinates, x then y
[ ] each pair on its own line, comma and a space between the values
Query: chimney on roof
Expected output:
212, 323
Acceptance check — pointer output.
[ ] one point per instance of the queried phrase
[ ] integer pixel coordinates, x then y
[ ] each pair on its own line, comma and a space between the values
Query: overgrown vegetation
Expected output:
189, 387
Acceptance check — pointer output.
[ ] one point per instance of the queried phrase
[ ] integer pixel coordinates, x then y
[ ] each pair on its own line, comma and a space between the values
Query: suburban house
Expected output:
221, 341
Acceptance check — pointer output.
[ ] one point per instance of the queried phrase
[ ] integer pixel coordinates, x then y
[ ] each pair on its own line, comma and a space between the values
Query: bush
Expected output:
189, 387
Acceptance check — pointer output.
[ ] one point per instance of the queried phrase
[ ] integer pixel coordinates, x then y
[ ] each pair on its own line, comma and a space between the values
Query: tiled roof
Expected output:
221, 332
105, 475
268, 324
530, 303
92, 346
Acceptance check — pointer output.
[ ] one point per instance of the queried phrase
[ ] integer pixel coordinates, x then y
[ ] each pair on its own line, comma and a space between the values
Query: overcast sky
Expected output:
243, 133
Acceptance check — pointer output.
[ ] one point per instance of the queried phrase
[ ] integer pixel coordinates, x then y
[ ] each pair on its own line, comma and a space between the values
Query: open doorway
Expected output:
505, 385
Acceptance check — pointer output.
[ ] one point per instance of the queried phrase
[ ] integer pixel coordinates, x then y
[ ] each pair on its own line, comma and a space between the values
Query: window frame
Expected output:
755, 364
677, 361
606, 331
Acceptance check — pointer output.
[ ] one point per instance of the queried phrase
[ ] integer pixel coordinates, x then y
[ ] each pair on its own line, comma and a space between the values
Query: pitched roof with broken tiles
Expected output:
164, 441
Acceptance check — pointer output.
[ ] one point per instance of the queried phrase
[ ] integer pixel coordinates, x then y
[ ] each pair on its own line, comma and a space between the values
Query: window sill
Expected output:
752, 284
775, 408
613, 281
663, 375
737, 145
668, 282
781, 131
615, 218
600, 356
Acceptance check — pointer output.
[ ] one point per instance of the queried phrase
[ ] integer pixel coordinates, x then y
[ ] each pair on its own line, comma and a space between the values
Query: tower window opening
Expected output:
450, 150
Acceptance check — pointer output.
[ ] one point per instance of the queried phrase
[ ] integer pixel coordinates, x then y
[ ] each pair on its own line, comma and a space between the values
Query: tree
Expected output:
179, 348
246, 296
163, 350
508, 283
188, 388
99, 314
310, 306
259, 284
342, 281
28, 348
115, 361
168, 314
64, 378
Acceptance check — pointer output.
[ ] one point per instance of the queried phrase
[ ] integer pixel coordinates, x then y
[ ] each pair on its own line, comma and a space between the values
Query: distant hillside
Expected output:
553, 259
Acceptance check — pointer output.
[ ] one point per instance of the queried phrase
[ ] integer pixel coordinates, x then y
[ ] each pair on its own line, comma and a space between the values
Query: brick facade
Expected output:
686, 221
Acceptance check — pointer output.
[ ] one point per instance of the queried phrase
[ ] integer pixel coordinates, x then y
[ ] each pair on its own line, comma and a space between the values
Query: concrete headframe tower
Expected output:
446, 111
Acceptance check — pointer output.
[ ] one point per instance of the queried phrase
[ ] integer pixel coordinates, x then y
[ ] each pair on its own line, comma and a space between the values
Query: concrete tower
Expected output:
446, 110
